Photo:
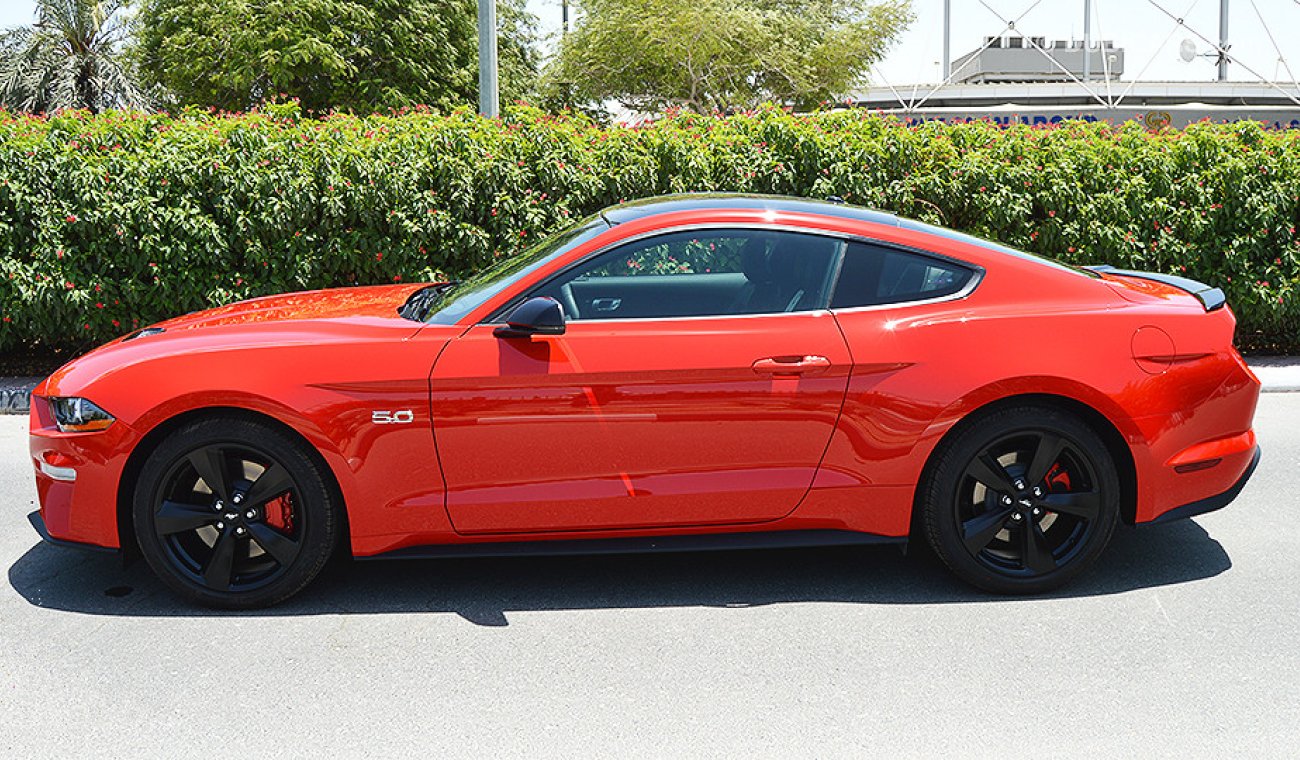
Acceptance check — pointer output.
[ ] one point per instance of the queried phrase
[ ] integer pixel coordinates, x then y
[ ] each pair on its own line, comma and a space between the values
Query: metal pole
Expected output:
1087, 40
564, 16
947, 40
488, 97
1223, 40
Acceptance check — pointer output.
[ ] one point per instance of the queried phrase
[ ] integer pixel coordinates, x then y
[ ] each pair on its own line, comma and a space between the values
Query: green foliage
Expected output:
709, 55
358, 55
113, 221
71, 58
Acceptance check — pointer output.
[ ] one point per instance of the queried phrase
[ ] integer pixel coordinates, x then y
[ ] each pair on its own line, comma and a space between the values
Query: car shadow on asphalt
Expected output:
485, 591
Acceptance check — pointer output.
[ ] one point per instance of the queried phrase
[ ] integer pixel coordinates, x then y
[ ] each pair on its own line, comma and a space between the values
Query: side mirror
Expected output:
536, 316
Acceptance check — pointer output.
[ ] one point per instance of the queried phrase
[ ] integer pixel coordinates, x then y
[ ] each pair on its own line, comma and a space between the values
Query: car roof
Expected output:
664, 204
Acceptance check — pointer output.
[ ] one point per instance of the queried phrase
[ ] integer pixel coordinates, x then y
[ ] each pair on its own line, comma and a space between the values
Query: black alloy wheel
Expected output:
234, 513
1022, 500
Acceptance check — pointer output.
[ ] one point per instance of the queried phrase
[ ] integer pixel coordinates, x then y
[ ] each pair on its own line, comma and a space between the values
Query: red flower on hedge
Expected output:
70, 218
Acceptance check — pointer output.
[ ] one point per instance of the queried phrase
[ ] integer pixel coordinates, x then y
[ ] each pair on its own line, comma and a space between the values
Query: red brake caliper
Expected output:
1058, 480
279, 514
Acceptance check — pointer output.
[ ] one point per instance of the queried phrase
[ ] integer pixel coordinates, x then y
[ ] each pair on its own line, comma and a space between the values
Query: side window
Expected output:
874, 274
700, 273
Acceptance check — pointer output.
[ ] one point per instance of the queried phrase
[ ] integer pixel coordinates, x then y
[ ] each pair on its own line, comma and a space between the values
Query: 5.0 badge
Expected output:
399, 417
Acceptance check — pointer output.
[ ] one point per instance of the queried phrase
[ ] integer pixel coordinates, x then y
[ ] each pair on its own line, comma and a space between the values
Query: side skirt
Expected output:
780, 539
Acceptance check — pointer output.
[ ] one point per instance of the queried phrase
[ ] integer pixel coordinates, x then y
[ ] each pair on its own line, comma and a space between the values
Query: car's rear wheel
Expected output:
234, 513
1021, 500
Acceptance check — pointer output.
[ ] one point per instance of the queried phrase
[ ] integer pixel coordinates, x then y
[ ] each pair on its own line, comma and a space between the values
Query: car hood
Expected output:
381, 301
343, 317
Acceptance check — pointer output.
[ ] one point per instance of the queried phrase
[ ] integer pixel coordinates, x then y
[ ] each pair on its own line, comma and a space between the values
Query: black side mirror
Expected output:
536, 316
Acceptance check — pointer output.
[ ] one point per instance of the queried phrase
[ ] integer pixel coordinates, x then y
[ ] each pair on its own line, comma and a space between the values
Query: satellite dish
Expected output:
1187, 51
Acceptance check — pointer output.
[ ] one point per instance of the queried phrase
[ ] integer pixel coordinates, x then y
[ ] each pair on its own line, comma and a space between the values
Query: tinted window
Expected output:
874, 274
700, 273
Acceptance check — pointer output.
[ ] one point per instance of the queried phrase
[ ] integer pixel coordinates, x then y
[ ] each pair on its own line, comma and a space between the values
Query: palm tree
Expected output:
70, 58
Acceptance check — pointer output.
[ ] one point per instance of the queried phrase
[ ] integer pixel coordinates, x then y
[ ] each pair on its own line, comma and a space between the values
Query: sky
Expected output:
1150, 38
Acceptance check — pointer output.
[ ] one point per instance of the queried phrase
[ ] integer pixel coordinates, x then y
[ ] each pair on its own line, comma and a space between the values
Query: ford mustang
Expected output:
679, 373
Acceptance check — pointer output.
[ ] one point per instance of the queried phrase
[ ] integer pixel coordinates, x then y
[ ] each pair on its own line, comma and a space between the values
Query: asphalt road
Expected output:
1184, 643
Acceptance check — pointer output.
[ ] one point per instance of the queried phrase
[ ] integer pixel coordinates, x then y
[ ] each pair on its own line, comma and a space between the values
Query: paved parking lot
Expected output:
1185, 643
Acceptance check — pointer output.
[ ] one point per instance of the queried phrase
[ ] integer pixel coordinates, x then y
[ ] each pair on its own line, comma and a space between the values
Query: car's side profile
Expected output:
687, 372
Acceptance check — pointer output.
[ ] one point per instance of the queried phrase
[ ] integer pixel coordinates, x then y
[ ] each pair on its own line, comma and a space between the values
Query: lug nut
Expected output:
250, 514
1006, 500
1038, 491
218, 506
1037, 511
1016, 516
239, 531
221, 525
239, 497
1019, 484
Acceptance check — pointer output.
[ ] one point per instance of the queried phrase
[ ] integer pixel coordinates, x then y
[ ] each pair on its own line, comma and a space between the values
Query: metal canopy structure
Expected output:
1037, 79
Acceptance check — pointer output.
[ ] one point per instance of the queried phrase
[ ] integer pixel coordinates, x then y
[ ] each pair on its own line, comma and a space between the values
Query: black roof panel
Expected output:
663, 204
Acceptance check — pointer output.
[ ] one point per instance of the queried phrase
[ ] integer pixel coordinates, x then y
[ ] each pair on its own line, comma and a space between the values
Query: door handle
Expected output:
792, 365
606, 304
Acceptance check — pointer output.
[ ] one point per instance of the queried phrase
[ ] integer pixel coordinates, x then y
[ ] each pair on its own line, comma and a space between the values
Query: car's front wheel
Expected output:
1021, 500
234, 513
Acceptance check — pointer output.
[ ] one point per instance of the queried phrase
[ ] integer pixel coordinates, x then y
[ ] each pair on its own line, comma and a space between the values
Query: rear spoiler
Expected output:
1211, 298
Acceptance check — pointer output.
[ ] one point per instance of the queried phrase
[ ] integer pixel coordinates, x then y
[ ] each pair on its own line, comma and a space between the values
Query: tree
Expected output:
359, 55
72, 57
722, 54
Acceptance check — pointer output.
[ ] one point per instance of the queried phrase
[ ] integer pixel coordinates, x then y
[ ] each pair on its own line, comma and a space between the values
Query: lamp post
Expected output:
947, 40
489, 99
1223, 40
1087, 40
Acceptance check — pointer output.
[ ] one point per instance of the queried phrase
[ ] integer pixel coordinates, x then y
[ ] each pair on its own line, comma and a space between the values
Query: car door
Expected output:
652, 418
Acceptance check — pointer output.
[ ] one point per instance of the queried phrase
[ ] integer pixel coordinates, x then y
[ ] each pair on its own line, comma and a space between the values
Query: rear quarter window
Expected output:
872, 275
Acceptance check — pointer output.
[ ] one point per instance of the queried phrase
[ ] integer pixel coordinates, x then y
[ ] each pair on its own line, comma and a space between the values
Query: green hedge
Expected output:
121, 219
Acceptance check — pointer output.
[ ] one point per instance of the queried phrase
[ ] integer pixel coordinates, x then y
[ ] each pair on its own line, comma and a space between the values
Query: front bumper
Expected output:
38, 523
77, 478
1218, 501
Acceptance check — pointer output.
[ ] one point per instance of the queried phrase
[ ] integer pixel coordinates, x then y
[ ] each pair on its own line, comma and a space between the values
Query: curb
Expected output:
1277, 374
15, 393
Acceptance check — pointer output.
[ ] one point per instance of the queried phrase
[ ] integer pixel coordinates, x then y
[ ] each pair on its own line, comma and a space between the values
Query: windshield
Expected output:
466, 296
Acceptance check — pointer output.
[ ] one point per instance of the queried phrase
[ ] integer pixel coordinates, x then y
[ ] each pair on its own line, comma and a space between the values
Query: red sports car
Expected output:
681, 373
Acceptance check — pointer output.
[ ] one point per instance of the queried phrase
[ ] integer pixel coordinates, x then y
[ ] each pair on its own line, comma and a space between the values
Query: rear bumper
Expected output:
1210, 504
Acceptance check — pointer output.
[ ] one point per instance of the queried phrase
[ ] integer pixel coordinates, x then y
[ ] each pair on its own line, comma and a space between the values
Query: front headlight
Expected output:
79, 415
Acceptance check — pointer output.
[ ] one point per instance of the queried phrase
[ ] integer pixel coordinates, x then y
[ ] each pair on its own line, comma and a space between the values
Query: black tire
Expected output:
255, 539
1021, 500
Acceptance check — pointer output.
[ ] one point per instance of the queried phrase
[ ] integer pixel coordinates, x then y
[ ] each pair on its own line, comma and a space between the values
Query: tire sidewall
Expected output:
940, 491
315, 502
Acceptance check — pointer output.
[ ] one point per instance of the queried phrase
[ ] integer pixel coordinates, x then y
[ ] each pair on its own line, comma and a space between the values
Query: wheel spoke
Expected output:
985, 469
282, 548
1049, 450
210, 463
1084, 504
978, 531
175, 517
271, 483
218, 571
1035, 552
